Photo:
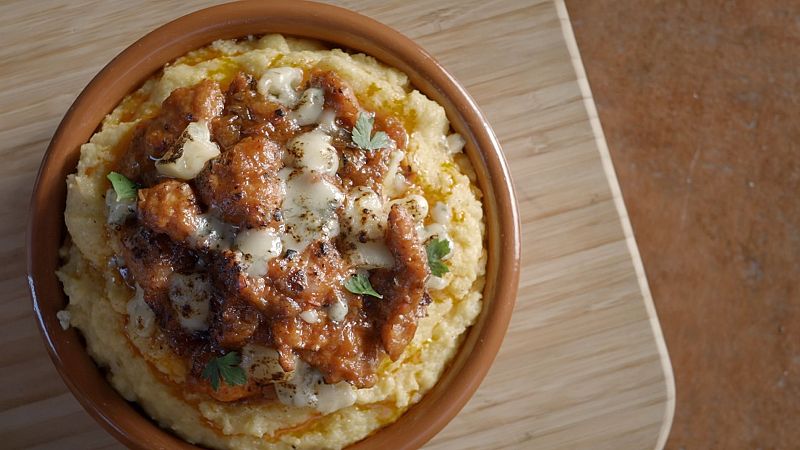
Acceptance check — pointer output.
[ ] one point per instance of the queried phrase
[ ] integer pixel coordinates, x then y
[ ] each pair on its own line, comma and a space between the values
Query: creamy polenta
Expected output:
425, 181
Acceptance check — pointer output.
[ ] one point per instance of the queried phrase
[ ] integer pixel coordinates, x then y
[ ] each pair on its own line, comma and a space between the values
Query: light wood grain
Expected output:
583, 364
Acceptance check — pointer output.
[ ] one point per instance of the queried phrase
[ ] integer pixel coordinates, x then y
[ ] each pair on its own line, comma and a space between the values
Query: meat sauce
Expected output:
242, 190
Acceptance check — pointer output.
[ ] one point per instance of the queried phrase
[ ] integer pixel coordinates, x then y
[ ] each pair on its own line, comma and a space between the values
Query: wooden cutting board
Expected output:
583, 365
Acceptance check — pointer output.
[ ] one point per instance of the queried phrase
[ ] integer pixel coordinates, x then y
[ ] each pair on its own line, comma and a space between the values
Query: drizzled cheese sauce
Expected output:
190, 298
309, 210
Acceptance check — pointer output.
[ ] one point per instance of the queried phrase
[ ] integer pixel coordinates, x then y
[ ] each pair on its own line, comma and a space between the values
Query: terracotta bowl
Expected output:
339, 27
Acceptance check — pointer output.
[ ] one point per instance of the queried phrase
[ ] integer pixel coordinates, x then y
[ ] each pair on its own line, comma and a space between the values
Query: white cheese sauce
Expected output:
190, 297
262, 364
258, 246
364, 213
309, 109
306, 388
280, 84
141, 318
370, 255
212, 232
313, 151
309, 210
187, 157
337, 311
118, 210
416, 205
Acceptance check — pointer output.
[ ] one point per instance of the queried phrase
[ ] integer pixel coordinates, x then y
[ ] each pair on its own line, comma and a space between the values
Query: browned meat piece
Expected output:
151, 258
403, 288
170, 207
242, 184
153, 137
248, 113
148, 258
346, 351
234, 317
393, 128
338, 96
361, 168
311, 278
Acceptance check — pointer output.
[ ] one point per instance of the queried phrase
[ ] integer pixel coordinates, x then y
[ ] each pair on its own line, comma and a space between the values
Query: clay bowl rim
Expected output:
339, 27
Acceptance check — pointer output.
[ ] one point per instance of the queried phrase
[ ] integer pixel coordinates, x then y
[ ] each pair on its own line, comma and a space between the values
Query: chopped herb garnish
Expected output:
362, 134
438, 249
225, 368
125, 188
359, 284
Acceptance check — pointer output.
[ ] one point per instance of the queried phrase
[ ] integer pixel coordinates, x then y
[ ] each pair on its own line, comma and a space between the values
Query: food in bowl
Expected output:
273, 244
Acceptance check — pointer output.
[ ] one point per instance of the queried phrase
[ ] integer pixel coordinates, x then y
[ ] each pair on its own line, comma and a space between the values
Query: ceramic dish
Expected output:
340, 28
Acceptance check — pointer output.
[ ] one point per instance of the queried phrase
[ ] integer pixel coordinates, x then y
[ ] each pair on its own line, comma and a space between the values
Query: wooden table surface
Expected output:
583, 364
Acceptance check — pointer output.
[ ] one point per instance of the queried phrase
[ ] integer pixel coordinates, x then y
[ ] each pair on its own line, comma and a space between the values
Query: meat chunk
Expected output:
403, 287
360, 168
151, 258
312, 278
338, 96
248, 113
242, 184
170, 207
345, 351
153, 137
233, 321
234, 315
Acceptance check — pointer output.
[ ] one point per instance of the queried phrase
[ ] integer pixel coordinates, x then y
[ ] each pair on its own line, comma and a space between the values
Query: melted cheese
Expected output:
337, 310
394, 183
370, 255
416, 205
306, 388
262, 364
140, 317
365, 214
309, 109
310, 316
309, 210
118, 210
280, 84
190, 297
213, 233
259, 246
313, 151
190, 154
327, 121
440, 213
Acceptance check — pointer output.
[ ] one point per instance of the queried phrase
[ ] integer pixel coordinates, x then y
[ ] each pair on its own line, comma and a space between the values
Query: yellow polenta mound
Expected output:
142, 368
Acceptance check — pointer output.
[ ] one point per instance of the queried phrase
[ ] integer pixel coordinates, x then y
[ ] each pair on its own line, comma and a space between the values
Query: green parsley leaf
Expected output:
438, 249
227, 368
362, 134
125, 188
359, 284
